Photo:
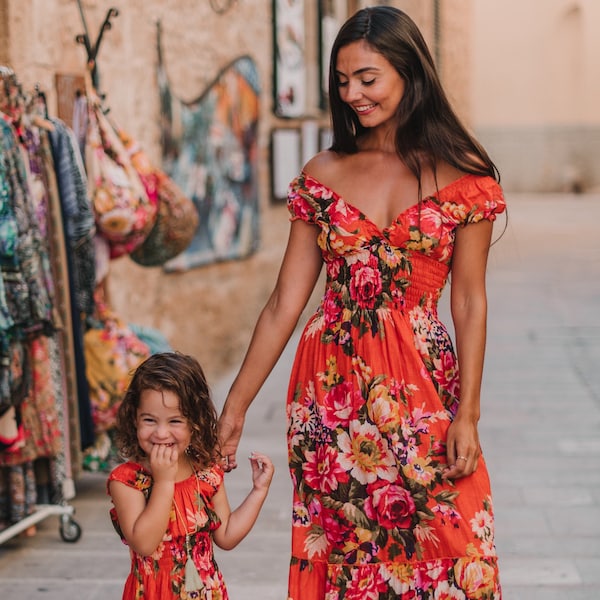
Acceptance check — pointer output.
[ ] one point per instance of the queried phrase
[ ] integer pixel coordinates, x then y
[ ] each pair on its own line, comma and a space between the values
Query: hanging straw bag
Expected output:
123, 209
177, 219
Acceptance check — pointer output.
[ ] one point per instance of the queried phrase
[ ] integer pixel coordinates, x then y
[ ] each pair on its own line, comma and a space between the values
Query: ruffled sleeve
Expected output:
473, 199
134, 476
299, 202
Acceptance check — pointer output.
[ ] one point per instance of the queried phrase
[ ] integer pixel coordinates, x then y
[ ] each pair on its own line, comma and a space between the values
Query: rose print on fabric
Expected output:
374, 387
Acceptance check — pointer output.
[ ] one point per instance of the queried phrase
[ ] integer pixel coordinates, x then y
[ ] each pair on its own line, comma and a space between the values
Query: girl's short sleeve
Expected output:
132, 475
298, 202
475, 199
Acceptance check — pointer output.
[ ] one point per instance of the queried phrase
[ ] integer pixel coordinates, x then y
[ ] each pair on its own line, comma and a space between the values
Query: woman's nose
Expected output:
353, 91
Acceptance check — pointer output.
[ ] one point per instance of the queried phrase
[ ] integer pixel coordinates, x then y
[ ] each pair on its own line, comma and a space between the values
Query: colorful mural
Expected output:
209, 149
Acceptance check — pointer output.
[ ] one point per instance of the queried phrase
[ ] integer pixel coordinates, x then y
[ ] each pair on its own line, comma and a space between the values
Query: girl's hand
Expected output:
463, 449
262, 470
163, 462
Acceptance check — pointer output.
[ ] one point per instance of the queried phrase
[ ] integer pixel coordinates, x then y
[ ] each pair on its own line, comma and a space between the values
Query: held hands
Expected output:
230, 432
463, 449
262, 471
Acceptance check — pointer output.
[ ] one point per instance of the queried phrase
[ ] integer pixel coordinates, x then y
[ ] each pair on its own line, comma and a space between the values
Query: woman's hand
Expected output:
463, 449
230, 432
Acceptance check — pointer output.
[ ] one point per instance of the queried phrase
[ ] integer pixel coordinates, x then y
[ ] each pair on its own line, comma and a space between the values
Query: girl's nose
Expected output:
161, 431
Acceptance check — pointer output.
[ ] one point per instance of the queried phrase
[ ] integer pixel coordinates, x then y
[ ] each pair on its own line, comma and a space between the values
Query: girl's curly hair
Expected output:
182, 375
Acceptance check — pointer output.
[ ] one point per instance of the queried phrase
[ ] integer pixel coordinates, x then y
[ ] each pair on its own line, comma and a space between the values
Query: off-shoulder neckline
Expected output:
364, 217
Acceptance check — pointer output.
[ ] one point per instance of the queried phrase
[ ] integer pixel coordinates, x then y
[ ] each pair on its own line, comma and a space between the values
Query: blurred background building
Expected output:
524, 75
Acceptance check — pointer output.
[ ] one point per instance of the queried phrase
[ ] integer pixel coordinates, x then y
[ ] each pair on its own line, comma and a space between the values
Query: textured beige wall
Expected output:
537, 62
207, 311
535, 89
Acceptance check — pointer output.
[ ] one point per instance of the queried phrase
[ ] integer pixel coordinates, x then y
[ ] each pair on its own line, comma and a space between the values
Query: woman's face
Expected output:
369, 84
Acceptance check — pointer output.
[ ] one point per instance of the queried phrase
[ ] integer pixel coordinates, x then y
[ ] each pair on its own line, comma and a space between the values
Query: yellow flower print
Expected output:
420, 470
383, 409
476, 577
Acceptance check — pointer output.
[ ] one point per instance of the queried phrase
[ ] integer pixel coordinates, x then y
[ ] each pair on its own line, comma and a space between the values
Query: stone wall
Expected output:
208, 311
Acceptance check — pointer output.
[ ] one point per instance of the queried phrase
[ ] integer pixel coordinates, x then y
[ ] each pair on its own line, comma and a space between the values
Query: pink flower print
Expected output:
338, 532
390, 505
331, 308
340, 405
365, 285
338, 212
333, 269
301, 208
322, 471
447, 513
366, 584
446, 373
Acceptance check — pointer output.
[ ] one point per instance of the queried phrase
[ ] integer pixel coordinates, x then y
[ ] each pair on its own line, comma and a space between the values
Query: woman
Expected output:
391, 493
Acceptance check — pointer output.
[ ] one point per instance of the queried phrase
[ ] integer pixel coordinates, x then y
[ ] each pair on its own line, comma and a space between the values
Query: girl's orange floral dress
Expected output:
161, 575
373, 390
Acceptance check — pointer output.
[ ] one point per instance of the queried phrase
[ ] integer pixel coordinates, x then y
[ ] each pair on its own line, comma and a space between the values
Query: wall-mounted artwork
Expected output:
289, 69
286, 160
210, 150
331, 14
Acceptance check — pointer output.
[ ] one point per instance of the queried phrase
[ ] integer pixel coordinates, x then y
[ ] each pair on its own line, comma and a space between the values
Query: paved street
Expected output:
540, 432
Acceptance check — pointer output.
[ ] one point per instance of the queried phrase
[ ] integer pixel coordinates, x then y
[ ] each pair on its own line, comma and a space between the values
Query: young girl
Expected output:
169, 499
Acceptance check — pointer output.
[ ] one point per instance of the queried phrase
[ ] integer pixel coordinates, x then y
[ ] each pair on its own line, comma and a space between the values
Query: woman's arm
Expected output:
298, 275
236, 525
468, 302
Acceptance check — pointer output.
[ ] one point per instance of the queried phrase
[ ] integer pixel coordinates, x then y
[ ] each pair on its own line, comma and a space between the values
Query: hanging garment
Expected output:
112, 353
78, 216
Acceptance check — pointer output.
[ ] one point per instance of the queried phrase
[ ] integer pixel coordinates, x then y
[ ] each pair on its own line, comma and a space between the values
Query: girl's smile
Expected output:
160, 422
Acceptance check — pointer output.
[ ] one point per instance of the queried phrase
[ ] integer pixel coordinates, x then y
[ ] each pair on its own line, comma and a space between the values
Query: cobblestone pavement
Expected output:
540, 433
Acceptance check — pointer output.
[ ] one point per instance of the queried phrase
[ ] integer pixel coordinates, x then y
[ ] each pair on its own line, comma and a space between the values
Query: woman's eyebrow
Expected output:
359, 71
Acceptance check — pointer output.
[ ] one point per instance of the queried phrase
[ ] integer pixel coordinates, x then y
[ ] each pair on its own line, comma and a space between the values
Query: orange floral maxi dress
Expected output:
161, 575
373, 389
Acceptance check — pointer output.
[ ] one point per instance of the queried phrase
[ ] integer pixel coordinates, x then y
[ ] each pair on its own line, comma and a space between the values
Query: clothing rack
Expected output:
51, 497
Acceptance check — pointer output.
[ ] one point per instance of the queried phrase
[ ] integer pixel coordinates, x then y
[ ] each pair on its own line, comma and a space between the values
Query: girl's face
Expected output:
159, 421
369, 84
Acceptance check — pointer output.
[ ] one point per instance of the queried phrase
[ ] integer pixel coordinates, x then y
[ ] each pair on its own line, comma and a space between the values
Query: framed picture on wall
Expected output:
289, 69
331, 15
286, 160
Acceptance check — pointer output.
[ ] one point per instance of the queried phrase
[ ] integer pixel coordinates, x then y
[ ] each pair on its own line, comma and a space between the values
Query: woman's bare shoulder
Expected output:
322, 163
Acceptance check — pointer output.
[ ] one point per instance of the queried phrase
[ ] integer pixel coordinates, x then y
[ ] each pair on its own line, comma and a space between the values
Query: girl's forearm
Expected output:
150, 527
241, 520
